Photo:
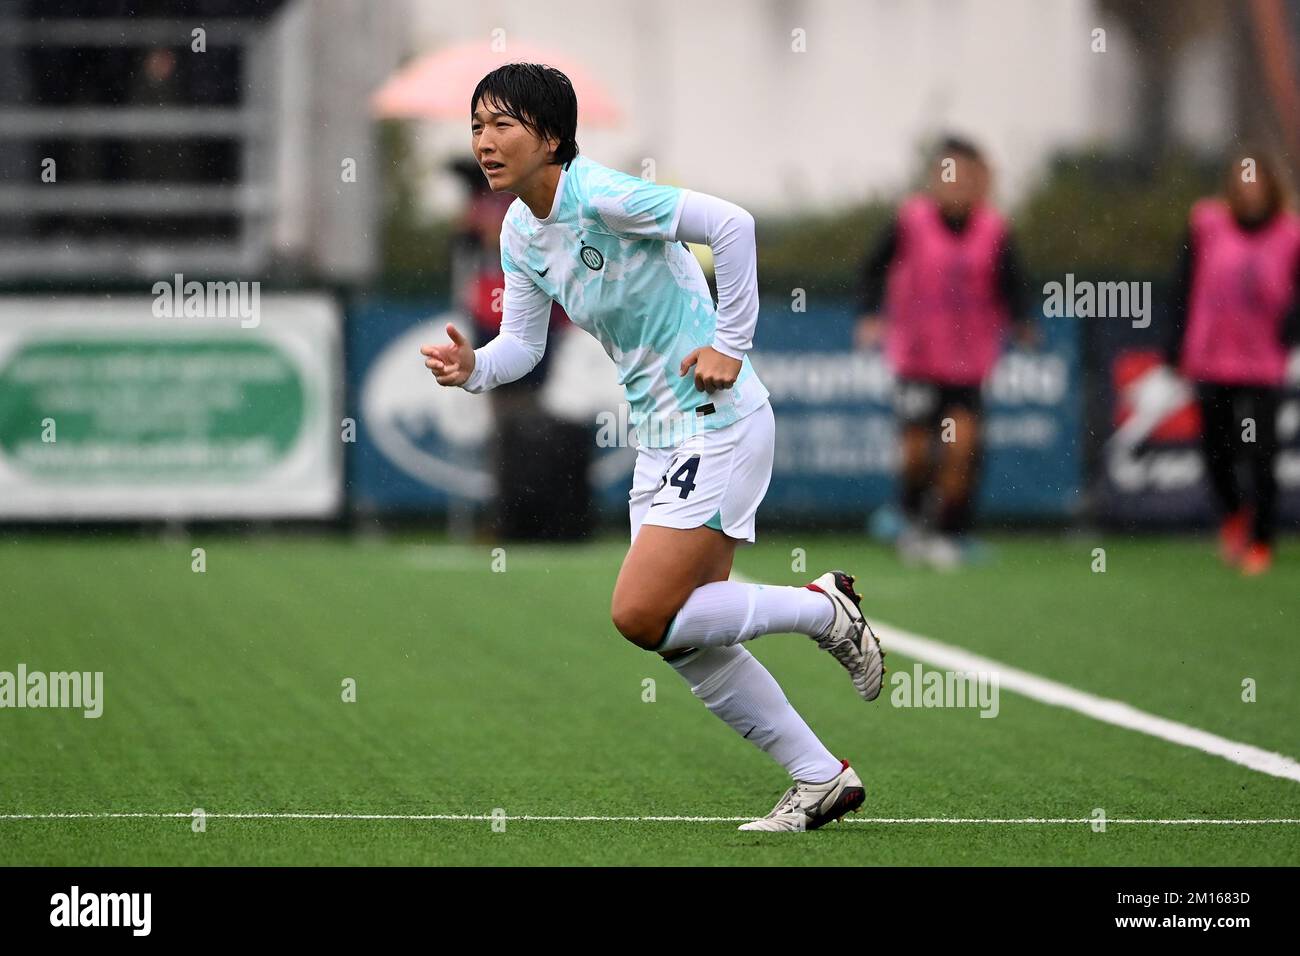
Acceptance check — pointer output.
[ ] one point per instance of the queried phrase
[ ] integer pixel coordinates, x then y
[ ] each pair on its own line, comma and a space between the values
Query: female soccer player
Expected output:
1236, 311
950, 282
610, 249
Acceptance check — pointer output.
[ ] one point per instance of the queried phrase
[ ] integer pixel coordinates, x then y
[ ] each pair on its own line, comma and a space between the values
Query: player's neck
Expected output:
538, 193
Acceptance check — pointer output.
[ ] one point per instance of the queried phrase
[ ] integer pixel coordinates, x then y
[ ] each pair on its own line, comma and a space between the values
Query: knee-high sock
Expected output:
727, 612
735, 687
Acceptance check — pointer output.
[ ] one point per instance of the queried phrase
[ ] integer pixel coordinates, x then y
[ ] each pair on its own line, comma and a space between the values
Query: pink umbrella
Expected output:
438, 85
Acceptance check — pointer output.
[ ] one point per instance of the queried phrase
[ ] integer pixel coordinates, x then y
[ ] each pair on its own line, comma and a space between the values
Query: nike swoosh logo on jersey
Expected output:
542, 274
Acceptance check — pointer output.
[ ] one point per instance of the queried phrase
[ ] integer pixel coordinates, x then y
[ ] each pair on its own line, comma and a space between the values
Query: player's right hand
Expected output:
450, 364
869, 333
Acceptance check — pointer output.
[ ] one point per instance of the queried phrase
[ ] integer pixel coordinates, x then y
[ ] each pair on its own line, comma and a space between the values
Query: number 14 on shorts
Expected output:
683, 477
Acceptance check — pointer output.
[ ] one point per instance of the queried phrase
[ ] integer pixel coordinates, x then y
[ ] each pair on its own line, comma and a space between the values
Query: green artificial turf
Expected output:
479, 690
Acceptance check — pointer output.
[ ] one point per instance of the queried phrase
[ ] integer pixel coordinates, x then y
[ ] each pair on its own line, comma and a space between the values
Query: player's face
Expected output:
1249, 201
508, 152
959, 185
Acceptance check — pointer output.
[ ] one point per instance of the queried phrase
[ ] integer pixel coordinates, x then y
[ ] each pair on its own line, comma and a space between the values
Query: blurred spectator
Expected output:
551, 498
950, 282
1235, 313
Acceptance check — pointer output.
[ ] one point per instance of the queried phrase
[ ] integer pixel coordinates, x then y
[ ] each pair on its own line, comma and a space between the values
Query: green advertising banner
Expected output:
108, 410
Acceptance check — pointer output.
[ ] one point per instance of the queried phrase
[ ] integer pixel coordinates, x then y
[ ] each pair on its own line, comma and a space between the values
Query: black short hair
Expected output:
540, 97
1267, 162
958, 146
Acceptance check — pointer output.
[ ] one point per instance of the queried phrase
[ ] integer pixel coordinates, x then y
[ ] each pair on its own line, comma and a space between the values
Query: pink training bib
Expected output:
946, 317
1243, 283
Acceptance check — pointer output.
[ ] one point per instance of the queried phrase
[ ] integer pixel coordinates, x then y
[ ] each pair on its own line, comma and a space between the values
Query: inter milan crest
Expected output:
592, 259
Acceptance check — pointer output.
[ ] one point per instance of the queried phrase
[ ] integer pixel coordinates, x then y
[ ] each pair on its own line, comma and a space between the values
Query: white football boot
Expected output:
911, 545
850, 639
943, 553
807, 806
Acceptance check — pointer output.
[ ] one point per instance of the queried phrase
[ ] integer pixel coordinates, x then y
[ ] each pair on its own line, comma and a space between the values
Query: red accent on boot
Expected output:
1232, 536
1257, 559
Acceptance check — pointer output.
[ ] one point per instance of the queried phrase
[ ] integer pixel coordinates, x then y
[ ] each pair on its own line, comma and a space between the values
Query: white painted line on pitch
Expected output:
1056, 694
919, 648
528, 817
1099, 708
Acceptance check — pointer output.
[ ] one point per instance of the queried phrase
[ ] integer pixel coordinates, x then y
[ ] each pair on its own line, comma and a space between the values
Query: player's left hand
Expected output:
713, 370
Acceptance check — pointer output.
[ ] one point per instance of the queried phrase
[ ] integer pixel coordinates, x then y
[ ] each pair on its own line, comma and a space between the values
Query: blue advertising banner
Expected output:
837, 448
414, 448
420, 446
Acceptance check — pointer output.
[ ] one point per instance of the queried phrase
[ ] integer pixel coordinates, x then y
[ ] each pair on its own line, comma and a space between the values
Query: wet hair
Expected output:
1268, 168
957, 146
540, 97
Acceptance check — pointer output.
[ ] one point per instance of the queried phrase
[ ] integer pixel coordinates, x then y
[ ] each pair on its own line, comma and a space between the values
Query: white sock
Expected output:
738, 689
727, 612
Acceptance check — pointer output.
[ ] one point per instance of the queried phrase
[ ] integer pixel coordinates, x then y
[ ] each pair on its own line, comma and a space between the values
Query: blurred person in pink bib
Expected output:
941, 289
1235, 314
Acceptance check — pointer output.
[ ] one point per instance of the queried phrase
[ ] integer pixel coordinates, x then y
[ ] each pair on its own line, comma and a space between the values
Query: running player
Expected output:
1236, 312
610, 249
949, 282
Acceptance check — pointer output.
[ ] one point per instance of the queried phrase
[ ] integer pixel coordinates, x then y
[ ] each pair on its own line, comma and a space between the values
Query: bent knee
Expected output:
642, 626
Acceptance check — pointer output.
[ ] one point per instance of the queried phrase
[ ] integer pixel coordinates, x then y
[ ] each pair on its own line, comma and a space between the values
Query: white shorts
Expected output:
715, 477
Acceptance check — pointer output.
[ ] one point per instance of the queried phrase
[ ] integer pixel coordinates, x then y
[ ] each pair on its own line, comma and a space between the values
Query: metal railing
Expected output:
37, 241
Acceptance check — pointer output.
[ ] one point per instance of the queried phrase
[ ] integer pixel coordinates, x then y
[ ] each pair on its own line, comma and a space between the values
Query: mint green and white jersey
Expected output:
607, 254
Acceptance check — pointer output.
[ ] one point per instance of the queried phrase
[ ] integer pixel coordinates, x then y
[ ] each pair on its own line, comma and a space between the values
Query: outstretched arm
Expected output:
1291, 323
518, 347
875, 269
525, 318
872, 277
1013, 287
